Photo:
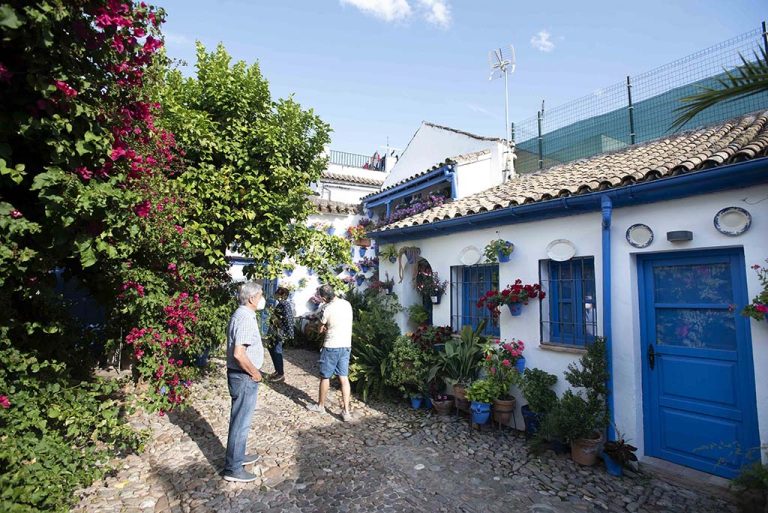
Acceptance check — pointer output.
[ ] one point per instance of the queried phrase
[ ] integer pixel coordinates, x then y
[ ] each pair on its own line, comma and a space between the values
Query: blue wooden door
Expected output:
698, 377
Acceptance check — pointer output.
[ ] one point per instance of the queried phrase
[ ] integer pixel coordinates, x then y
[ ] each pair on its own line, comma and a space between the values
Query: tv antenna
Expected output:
502, 62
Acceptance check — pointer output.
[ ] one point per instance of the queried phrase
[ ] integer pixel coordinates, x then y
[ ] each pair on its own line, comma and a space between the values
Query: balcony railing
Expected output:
342, 158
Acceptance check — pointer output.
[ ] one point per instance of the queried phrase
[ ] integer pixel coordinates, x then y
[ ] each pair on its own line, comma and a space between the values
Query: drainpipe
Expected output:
607, 208
389, 207
454, 192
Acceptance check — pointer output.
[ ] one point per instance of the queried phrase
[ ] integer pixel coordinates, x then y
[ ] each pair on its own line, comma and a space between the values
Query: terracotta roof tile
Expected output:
335, 207
353, 179
738, 139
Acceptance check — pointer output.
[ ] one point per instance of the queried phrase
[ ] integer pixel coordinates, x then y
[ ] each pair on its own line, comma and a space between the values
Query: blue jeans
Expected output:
244, 392
277, 356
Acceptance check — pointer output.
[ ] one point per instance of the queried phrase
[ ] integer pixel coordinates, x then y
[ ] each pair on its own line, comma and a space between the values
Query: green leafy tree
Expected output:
250, 161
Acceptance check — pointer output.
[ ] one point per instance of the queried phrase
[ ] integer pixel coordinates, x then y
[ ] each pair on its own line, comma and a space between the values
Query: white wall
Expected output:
431, 146
531, 239
479, 175
346, 193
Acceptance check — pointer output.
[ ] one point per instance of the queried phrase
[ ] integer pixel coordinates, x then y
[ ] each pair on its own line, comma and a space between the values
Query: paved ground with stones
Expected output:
389, 459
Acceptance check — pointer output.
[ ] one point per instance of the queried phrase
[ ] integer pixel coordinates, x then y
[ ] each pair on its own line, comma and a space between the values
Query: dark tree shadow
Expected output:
194, 424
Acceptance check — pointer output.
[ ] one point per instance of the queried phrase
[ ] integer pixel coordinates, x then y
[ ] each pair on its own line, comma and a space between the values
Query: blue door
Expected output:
698, 377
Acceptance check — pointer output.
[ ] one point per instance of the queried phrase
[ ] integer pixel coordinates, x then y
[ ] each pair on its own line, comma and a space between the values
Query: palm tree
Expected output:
751, 77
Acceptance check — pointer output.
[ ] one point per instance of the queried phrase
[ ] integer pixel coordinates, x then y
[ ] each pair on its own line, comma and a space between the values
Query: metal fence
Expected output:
637, 110
343, 158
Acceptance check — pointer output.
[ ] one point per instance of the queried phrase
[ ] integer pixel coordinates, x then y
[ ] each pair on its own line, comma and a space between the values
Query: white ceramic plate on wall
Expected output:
639, 235
561, 250
470, 255
733, 221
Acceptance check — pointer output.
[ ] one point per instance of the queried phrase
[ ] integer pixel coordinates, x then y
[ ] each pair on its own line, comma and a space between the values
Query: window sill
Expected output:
561, 348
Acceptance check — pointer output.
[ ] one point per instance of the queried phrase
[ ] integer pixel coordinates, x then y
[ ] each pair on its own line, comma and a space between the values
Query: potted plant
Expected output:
389, 252
367, 263
409, 369
498, 250
536, 386
618, 454
442, 403
359, 279
481, 394
357, 234
428, 284
288, 269
758, 308
417, 314
428, 337
500, 363
578, 421
458, 364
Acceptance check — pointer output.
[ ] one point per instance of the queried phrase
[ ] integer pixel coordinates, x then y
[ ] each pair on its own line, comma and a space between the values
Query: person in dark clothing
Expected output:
280, 330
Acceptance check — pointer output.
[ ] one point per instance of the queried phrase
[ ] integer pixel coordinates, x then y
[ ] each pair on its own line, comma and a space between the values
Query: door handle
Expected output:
651, 357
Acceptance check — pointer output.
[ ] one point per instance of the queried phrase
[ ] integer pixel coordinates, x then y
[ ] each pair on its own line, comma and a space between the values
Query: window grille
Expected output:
569, 311
468, 284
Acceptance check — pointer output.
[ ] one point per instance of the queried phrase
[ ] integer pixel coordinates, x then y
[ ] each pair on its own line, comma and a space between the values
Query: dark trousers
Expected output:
277, 357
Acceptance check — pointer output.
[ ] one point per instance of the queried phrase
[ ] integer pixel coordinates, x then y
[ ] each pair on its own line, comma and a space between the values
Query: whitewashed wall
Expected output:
531, 239
431, 146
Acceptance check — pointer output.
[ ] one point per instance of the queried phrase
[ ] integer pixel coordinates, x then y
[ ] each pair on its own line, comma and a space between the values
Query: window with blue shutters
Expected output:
468, 285
569, 313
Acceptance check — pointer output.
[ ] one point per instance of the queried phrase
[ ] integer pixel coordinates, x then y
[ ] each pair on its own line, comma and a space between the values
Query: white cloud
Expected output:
438, 12
178, 39
387, 10
542, 42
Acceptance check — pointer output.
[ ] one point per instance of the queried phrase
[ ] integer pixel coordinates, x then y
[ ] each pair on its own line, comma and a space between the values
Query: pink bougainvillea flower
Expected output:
15, 214
118, 44
5, 402
5, 75
65, 88
84, 173
179, 229
762, 308
172, 267
143, 208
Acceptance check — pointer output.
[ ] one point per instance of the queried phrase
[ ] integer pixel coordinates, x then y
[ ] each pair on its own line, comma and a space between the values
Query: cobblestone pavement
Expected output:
389, 459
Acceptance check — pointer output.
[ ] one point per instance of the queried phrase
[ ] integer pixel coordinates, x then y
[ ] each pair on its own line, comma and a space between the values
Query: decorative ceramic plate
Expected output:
733, 221
470, 255
639, 235
561, 250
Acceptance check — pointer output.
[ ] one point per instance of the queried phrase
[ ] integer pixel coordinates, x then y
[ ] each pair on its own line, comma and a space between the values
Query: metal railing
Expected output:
637, 110
342, 158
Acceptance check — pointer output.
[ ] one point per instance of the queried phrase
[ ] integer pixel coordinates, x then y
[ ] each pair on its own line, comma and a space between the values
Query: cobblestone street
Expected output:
389, 459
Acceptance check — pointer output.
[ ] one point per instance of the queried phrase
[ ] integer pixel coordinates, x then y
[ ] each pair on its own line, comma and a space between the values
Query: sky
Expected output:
375, 69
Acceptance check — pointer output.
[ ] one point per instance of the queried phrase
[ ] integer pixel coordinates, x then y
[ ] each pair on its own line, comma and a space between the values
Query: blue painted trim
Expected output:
374, 199
720, 178
606, 206
446, 177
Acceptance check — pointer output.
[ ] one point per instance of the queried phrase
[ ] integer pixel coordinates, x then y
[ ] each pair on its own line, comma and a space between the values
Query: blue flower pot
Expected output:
288, 272
427, 403
612, 466
416, 402
515, 309
392, 259
532, 421
331, 230
502, 257
359, 280
520, 365
481, 412
362, 251
310, 272
364, 268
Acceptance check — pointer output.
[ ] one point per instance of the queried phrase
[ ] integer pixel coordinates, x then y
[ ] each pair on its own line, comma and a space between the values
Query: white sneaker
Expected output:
346, 416
316, 408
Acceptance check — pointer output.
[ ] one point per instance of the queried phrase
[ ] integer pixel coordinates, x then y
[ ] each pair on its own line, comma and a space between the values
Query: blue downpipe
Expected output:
607, 209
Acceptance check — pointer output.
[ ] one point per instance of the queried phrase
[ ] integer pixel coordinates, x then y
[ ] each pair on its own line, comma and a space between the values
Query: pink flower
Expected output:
143, 208
65, 88
171, 267
762, 308
179, 229
506, 363
15, 214
84, 173
138, 354
5, 75
4, 402
117, 44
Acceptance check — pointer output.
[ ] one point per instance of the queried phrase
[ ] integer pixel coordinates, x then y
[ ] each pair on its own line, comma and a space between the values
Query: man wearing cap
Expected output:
280, 330
334, 357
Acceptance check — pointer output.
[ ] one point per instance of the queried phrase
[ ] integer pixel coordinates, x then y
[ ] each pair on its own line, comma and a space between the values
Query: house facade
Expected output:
649, 247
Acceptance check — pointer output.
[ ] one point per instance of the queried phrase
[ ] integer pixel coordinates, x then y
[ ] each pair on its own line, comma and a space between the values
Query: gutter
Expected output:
732, 176
606, 205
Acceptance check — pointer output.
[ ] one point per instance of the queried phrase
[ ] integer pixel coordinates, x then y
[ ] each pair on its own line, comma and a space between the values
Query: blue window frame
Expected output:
572, 308
468, 284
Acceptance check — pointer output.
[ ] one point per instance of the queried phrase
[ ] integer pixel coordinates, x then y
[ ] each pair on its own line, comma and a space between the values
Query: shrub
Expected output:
409, 367
57, 435
427, 336
536, 386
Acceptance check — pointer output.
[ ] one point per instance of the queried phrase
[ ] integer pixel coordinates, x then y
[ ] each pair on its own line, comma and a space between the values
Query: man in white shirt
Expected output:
334, 356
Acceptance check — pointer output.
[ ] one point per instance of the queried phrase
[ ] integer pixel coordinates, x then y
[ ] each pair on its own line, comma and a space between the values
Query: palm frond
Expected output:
750, 78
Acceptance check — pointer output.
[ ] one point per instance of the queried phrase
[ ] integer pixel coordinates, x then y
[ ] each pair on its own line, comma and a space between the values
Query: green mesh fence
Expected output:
607, 120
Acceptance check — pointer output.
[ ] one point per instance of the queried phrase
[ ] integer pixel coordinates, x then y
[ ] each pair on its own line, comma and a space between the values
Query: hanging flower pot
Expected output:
435, 300
361, 251
515, 309
288, 272
503, 257
520, 365
364, 268
359, 279
310, 272
330, 230
363, 242
392, 259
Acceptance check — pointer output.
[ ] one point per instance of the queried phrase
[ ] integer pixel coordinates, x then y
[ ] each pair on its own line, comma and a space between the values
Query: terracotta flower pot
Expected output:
503, 410
585, 451
443, 407
460, 396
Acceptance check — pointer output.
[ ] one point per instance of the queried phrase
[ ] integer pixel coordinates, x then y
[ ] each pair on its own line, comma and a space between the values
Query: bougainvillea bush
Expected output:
758, 308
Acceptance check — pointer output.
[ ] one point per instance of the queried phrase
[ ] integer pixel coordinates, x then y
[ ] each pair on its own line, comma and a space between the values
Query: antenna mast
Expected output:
504, 64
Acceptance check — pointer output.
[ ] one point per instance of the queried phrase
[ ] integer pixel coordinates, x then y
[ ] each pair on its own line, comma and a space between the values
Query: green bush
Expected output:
461, 358
57, 435
572, 417
410, 366
536, 386
484, 391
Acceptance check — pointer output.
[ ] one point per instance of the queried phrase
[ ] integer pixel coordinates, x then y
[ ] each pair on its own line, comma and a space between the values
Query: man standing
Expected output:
334, 356
245, 355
